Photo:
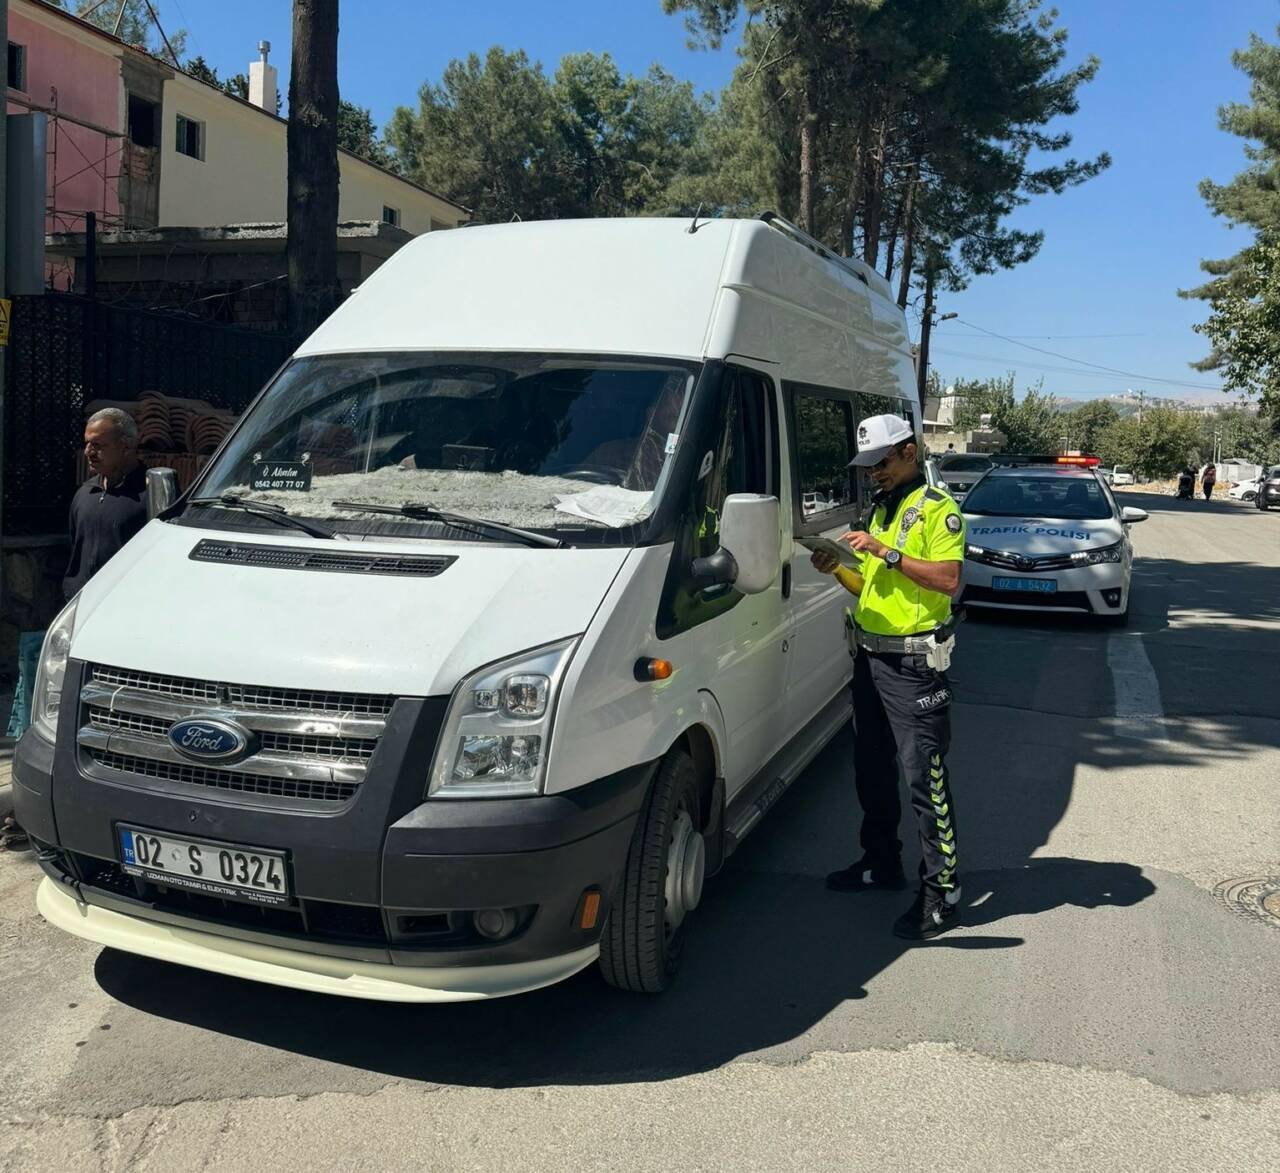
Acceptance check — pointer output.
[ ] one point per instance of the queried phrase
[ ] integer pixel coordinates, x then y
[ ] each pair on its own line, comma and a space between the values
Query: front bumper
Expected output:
318, 974
1088, 590
383, 884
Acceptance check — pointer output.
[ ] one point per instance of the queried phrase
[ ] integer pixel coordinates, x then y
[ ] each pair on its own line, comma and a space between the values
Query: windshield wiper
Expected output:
270, 512
480, 525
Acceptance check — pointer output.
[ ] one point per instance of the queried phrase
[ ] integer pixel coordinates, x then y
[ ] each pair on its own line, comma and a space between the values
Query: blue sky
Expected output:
1103, 288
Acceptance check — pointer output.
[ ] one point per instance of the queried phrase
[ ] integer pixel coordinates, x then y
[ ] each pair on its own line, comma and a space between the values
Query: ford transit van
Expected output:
485, 637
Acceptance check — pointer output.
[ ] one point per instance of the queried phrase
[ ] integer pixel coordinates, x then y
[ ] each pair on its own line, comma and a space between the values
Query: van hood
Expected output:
1036, 536
152, 608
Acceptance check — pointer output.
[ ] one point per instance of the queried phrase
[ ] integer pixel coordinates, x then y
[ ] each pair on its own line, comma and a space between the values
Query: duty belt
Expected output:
896, 645
918, 644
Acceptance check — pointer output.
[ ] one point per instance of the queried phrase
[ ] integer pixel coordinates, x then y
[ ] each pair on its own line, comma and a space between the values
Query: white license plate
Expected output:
1042, 586
196, 865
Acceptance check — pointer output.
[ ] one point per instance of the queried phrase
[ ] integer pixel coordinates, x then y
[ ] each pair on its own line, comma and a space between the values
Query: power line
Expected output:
1096, 366
1012, 360
1051, 337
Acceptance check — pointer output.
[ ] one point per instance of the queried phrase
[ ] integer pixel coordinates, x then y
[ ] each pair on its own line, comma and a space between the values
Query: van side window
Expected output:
744, 459
824, 446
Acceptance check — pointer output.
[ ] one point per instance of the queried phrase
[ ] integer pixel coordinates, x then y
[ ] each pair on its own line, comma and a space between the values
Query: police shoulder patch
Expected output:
954, 524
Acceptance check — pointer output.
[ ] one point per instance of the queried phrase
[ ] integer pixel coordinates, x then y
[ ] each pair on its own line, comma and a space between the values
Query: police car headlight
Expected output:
1101, 554
975, 553
498, 729
46, 701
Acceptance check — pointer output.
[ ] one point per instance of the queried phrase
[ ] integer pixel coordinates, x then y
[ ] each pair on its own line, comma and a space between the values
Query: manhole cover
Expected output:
1257, 897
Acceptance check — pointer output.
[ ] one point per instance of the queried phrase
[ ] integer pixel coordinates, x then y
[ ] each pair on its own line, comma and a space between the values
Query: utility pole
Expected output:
926, 330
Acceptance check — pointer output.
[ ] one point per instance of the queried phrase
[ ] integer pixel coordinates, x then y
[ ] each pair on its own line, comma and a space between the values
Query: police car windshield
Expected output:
1057, 497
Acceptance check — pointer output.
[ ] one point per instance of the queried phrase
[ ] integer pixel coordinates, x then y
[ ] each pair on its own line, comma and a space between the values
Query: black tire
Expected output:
637, 950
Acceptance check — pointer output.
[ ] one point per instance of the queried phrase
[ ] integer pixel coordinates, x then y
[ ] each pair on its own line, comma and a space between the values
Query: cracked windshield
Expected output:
538, 442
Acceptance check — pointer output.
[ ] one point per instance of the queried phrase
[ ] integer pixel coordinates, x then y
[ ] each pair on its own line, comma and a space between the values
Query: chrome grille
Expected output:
1022, 562
307, 744
193, 775
212, 692
338, 748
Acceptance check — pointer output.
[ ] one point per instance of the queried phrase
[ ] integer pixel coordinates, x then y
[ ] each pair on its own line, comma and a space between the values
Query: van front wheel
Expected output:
641, 945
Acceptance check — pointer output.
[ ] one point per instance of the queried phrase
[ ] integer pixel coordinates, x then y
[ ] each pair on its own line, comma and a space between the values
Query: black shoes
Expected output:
932, 912
862, 877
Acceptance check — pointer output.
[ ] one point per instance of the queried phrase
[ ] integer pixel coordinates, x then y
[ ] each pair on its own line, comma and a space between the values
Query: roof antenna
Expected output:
695, 225
515, 218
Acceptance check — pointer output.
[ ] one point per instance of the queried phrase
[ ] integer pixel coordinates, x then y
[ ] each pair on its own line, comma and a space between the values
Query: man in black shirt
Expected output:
111, 506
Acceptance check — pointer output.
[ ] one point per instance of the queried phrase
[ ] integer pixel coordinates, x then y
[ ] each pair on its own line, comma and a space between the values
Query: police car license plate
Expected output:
1041, 586
196, 865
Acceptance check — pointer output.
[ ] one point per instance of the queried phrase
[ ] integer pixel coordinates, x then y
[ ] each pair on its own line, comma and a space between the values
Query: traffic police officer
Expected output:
910, 557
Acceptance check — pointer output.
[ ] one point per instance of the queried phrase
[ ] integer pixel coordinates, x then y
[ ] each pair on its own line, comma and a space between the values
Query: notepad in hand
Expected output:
837, 550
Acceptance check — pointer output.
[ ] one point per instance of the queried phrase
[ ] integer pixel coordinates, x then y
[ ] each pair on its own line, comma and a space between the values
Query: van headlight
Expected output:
52, 668
498, 729
1101, 554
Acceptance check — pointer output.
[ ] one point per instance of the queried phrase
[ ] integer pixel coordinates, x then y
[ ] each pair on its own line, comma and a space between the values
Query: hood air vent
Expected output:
305, 558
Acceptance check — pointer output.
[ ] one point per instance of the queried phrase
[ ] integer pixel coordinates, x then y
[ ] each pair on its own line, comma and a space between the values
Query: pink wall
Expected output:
89, 86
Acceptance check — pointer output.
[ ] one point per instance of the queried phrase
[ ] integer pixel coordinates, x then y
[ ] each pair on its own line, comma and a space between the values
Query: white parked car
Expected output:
1045, 538
1244, 490
1121, 475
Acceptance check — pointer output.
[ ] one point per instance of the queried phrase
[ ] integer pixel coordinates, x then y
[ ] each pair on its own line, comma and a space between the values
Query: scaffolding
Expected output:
68, 160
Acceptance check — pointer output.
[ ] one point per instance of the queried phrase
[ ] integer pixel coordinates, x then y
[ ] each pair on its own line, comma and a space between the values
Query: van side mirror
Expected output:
1129, 515
162, 490
748, 556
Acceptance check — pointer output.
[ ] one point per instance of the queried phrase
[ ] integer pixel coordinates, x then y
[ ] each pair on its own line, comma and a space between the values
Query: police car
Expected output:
1048, 538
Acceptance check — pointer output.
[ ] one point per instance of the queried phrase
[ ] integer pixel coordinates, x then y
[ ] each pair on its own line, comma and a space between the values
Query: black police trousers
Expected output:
902, 710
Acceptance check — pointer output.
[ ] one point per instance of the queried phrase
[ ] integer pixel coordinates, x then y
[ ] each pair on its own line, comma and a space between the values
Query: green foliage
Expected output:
1030, 424
502, 138
906, 131
1161, 443
1083, 426
1242, 306
135, 24
358, 134
237, 85
1245, 434
1244, 324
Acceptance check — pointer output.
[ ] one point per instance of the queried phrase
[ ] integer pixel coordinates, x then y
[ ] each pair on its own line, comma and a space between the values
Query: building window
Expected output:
17, 67
190, 137
142, 122
391, 216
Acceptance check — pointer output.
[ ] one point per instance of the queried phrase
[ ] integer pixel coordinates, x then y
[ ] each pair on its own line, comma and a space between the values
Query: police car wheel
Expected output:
644, 937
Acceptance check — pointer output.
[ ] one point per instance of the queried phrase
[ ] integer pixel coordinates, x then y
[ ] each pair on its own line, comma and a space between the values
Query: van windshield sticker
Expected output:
286, 476
673, 438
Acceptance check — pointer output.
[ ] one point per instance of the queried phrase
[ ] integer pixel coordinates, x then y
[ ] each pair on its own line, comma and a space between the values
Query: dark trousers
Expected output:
902, 710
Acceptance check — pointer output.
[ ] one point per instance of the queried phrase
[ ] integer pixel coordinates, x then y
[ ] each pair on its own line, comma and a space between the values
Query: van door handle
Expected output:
786, 580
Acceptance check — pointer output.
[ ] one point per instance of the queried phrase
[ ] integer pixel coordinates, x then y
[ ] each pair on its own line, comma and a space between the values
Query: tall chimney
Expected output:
263, 89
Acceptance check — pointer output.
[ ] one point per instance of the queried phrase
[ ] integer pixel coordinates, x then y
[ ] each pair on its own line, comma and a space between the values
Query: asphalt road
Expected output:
1100, 1009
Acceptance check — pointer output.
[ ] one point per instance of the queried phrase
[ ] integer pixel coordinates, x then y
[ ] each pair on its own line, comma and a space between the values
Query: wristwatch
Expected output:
893, 559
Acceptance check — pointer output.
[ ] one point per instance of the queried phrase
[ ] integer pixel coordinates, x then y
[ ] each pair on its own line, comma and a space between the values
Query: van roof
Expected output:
642, 286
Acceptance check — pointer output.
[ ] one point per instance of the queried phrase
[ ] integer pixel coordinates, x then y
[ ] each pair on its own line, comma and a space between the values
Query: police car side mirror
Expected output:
1129, 515
748, 557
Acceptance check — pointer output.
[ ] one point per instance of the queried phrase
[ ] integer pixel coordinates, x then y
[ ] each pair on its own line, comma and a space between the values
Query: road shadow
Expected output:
773, 955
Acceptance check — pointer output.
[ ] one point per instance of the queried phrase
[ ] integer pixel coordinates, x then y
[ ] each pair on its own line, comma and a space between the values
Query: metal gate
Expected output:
66, 351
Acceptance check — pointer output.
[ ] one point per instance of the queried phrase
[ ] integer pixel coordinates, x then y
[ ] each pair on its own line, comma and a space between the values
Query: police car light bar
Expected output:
1079, 461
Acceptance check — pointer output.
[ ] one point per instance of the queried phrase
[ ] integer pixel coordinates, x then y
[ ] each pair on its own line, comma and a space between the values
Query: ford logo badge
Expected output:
210, 740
